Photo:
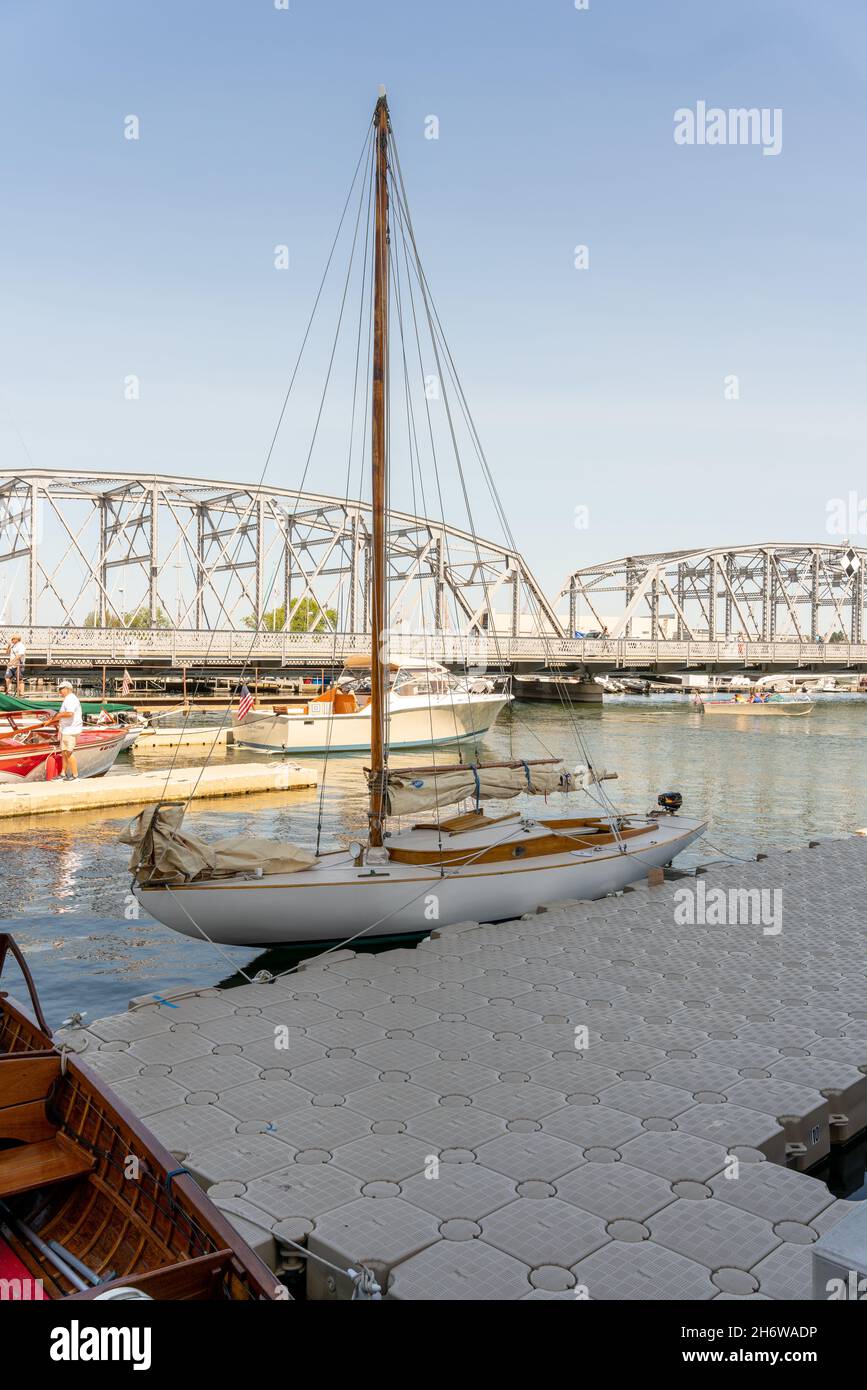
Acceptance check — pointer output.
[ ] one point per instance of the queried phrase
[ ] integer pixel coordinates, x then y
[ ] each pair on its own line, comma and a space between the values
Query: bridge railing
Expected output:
168, 646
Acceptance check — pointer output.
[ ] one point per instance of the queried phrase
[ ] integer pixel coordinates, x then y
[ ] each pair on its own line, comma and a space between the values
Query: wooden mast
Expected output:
379, 617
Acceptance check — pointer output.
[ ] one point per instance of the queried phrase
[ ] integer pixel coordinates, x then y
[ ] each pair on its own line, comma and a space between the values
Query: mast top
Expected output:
381, 90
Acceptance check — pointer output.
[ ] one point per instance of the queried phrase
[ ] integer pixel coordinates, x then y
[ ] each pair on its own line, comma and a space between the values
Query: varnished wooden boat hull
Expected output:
80, 1169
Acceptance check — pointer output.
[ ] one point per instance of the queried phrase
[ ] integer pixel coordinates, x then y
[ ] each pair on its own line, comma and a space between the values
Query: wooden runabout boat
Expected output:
91, 1205
30, 751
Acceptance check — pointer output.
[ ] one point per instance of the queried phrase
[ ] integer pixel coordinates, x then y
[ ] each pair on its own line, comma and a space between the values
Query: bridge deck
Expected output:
72, 648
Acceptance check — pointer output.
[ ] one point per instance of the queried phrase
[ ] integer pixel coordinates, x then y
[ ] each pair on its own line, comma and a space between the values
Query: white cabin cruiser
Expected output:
425, 704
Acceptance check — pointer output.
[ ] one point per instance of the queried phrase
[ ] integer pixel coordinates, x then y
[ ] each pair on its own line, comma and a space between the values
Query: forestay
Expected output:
164, 853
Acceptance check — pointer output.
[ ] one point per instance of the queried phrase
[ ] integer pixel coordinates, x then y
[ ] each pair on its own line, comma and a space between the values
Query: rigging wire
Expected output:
367, 141
330, 721
438, 337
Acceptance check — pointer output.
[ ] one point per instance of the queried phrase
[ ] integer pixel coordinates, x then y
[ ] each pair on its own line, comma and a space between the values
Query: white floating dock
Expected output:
140, 788
204, 738
604, 1100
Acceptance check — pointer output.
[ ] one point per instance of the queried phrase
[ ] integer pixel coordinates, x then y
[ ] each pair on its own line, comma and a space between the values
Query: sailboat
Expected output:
416, 867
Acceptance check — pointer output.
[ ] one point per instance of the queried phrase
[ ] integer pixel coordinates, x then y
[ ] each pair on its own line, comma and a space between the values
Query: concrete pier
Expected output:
140, 788
605, 1100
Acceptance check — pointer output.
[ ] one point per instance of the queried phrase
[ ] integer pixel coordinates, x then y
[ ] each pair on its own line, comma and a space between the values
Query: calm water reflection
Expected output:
63, 880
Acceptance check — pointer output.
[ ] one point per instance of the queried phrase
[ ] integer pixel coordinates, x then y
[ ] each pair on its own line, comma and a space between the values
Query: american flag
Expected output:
245, 703
126, 687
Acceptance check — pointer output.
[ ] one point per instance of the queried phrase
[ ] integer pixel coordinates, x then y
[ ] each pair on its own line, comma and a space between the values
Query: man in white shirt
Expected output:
15, 665
71, 722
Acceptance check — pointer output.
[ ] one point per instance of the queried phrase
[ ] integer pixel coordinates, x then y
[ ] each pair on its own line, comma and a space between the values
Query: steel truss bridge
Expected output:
750, 594
166, 571
115, 567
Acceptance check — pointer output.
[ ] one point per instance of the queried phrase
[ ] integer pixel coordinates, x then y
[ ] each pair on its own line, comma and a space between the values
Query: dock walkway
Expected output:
603, 1099
140, 788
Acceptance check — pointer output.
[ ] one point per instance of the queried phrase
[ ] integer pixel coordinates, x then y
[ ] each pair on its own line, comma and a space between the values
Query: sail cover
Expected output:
407, 793
163, 853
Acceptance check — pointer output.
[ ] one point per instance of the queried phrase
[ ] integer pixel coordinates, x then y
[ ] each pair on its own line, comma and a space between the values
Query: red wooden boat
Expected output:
91, 1205
30, 750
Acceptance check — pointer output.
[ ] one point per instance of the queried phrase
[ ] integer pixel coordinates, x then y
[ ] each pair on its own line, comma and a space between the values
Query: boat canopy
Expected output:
11, 704
163, 853
361, 662
408, 792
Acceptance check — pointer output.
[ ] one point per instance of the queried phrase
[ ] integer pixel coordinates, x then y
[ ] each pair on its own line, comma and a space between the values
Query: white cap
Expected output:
64, 684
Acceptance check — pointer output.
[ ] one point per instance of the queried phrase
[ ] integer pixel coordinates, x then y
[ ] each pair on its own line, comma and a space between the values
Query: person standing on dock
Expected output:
70, 720
15, 658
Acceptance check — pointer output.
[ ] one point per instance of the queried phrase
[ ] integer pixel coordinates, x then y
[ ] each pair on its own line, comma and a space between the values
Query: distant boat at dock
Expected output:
425, 705
776, 705
557, 686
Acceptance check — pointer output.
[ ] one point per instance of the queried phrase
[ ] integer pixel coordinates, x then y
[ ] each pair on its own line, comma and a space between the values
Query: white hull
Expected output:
412, 722
751, 708
336, 899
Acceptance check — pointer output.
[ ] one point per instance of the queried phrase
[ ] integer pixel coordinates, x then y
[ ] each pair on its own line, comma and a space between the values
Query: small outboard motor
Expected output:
670, 802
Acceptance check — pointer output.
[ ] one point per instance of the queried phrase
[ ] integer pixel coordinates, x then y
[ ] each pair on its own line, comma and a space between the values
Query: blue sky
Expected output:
601, 388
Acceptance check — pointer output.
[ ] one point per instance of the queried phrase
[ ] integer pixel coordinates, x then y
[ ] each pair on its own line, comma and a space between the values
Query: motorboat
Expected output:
30, 751
759, 705
558, 686
425, 704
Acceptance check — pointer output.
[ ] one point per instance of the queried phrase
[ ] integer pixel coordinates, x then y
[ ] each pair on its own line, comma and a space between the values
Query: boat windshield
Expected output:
402, 680
422, 682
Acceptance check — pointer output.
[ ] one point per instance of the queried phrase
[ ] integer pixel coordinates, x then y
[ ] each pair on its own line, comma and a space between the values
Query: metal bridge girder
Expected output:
108, 549
751, 592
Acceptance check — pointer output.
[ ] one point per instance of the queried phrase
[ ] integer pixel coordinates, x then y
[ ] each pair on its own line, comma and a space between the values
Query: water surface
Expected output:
64, 886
